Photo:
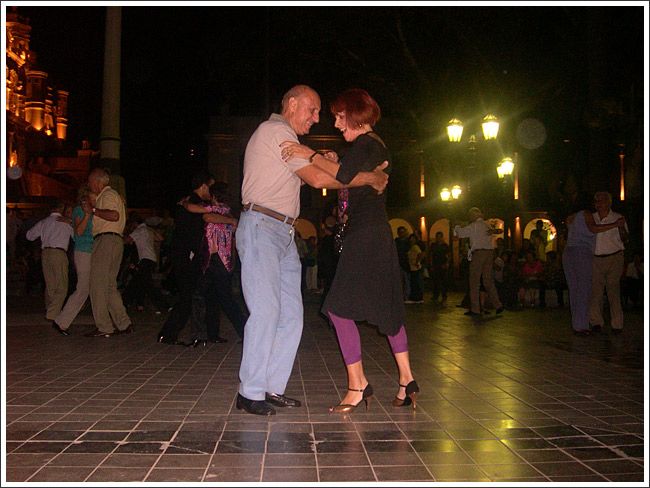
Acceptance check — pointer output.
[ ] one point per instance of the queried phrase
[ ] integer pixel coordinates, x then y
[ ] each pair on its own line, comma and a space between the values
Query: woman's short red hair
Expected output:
359, 107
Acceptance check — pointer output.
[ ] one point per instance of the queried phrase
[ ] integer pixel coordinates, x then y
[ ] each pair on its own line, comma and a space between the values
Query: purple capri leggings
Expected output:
350, 342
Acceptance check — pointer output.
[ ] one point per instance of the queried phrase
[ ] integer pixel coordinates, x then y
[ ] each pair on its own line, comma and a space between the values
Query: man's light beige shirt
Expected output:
268, 180
109, 199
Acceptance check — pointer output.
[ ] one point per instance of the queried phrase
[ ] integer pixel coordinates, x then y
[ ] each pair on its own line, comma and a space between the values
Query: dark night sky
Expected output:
423, 64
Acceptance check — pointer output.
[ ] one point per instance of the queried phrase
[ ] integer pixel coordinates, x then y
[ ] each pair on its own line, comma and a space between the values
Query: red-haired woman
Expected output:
367, 285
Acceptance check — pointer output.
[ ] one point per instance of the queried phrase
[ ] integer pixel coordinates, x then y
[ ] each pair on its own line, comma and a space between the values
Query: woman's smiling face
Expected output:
341, 124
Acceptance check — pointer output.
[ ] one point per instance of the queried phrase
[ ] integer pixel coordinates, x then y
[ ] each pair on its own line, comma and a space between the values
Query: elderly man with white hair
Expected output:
482, 260
109, 218
607, 266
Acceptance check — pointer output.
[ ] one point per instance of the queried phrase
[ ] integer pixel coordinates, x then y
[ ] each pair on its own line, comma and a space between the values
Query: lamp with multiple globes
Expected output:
446, 194
490, 130
490, 126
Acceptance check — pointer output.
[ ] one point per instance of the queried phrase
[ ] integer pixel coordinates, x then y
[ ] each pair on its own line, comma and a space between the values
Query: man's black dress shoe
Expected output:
197, 342
168, 340
582, 332
99, 333
472, 314
218, 340
596, 329
128, 330
617, 331
256, 407
58, 328
281, 400
499, 310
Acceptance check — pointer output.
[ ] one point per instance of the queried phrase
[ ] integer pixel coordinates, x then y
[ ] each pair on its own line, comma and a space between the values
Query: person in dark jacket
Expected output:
188, 251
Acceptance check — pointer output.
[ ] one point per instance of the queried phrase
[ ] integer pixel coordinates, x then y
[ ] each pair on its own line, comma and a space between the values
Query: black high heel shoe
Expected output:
349, 407
412, 391
197, 342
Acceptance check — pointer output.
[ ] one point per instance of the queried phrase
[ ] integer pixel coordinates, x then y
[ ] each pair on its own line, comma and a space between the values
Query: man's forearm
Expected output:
106, 214
461, 232
331, 168
364, 178
194, 207
215, 218
327, 165
316, 177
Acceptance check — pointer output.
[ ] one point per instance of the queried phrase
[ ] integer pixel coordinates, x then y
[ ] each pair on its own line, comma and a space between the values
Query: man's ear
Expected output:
293, 104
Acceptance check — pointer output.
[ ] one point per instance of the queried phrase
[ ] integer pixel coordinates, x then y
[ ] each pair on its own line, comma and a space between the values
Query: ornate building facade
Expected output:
40, 164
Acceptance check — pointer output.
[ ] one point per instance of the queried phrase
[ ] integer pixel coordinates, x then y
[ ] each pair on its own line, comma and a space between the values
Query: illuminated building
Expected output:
39, 161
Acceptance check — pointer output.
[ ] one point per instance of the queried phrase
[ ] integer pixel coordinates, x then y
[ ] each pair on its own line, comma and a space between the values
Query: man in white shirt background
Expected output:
55, 234
608, 264
482, 260
141, 284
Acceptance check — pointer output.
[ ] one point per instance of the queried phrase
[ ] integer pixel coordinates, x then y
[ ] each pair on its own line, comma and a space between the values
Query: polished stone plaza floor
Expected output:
515, 397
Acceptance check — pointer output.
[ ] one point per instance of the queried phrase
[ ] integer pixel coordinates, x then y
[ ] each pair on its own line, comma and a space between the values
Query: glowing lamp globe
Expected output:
506, 167
454, 130
490, 127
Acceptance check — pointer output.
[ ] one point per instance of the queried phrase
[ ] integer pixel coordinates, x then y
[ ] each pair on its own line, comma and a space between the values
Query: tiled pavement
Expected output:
510, 398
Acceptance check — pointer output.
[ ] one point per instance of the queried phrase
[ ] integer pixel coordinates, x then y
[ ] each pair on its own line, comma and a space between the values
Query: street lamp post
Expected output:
477, 187
448, 197
505, 169
490, 129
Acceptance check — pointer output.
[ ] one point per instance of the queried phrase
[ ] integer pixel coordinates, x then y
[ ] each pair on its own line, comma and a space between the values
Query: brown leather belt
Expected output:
106, 234
267, 211
607, 255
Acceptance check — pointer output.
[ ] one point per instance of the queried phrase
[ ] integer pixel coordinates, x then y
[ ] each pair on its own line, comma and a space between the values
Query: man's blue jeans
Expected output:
270, 276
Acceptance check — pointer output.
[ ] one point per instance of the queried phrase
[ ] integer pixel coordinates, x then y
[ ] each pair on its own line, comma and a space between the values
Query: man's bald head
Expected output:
301, 108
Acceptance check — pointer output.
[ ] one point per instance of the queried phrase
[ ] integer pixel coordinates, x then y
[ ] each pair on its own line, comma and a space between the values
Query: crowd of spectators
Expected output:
524, 278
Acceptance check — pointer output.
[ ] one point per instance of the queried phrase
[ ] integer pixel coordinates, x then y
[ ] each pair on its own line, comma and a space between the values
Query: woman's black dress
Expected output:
367, 285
